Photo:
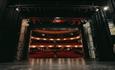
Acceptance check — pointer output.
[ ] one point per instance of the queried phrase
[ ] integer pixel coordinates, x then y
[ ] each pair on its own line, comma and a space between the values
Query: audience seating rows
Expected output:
52, 54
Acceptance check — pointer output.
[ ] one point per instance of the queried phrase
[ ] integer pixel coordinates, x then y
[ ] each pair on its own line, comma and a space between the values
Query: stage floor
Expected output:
58, 64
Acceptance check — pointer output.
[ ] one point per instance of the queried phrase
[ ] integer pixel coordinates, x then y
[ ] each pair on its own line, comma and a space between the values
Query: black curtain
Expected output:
9, 32
102, 37
112, 7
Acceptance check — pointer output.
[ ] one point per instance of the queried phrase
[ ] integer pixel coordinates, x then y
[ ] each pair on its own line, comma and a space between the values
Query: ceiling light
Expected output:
17, 9
97, 10
106, 8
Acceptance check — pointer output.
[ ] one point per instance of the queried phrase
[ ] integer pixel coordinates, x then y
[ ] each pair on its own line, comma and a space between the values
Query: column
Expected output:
22, 39
91, 48
84, 41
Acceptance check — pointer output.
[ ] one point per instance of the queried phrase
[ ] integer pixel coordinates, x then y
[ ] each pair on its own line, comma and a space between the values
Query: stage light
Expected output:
106, 8
17, 9
97, 10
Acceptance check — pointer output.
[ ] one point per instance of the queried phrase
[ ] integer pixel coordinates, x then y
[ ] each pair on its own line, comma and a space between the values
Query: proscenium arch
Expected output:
74, 11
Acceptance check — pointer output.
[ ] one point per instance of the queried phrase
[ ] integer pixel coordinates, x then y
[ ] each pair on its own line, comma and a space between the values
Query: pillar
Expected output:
84, 41
89, 39
23, 43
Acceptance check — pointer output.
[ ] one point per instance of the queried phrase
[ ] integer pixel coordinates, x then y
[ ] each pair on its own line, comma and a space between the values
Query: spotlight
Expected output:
97, 10
17, 9
106, 8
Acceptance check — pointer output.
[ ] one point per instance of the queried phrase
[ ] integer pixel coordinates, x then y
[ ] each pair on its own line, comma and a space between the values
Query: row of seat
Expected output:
51, 54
